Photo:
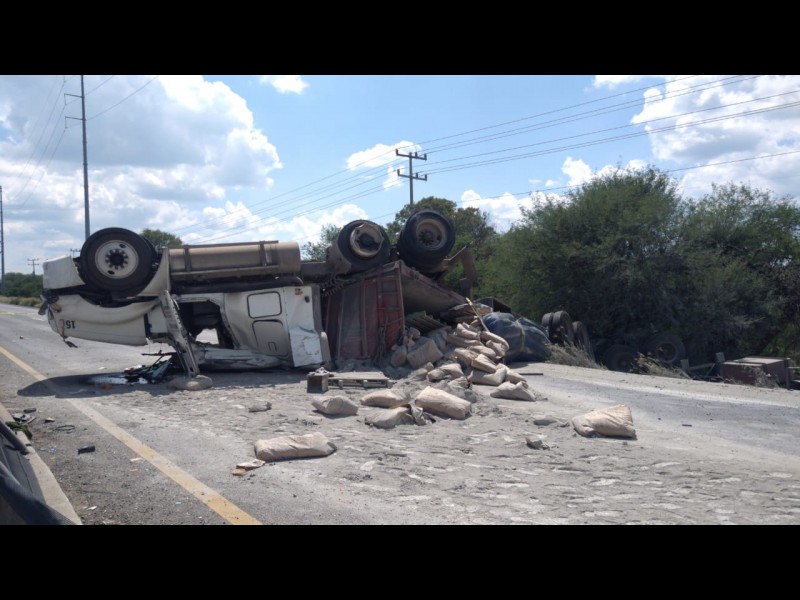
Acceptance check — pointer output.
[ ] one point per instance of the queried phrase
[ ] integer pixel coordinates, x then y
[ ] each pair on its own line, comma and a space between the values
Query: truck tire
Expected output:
425, 240
620, 357
561, 331
117, 260
665, 347
581, 338
364, 245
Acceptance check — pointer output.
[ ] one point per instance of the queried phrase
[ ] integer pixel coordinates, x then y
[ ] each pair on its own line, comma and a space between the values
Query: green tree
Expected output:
743, 254
22, 285
471, 226
605, 253
318, 250
161, 238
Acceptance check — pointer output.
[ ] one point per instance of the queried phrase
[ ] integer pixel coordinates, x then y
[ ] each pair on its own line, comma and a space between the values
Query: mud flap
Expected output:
177, 334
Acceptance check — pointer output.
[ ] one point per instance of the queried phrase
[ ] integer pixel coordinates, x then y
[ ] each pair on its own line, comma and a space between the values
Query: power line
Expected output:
136, 91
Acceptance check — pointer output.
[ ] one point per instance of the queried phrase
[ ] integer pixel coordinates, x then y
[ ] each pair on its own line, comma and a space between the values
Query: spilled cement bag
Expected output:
526, 340
424, 351
483, 363
513, 377
488, 336
383, 399
458, 387
484, 351
464, 356
437, 375
460, 342
513, 391
335, 405
484, 378
399, 355
614, 421
467, 332
310, 445
453, 370
443, 403
388, 418
438, 336
500, 350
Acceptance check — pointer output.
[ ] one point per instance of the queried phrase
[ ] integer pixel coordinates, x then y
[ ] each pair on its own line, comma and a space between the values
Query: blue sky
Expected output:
218, 158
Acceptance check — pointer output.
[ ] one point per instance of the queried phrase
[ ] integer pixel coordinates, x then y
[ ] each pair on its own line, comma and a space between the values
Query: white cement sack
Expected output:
383, 399
287, 447
335, 405
484, 378
513, 391
424, 351
443, 403
614, 421
388, 418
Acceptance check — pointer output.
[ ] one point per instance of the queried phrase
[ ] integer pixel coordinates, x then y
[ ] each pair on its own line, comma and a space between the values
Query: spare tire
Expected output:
425, 240
560, 329
364, 245
117, 260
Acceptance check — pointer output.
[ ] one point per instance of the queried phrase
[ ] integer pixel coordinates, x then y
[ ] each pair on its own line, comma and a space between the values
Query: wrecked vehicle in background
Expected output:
266, 306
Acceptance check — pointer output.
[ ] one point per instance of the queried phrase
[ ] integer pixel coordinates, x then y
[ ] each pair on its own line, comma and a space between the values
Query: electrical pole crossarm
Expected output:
411, 177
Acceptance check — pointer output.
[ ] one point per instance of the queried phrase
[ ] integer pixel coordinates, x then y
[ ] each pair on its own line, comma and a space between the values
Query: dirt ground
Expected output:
483, 469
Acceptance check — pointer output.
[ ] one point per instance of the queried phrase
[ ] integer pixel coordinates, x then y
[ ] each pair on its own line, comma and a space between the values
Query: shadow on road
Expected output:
104, 384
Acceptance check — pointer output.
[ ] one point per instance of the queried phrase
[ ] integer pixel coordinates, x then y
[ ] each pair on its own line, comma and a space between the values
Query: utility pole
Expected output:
2, 247
411, 177
33, 262
85, 160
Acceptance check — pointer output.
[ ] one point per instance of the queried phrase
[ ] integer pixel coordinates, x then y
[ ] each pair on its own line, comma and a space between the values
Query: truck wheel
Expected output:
581, 338
363, 244
561, 328
665, 347
425, 239
117, 260
620, 357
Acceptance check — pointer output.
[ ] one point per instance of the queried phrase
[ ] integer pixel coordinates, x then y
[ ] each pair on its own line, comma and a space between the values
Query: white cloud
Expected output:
379, 155
285, 84
577, 171
174, 146
612, 81
503, 211
691, 127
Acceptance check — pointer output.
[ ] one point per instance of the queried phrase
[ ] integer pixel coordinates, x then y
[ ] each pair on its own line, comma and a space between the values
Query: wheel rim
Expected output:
431, 234
116, 259
366, 240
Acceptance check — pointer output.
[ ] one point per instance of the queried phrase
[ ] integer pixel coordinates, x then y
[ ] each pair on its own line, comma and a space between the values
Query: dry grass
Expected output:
647, 366
34, 302
572, 356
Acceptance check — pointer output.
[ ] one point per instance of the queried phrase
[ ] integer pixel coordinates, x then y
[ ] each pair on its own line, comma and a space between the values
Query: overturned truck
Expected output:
258, 304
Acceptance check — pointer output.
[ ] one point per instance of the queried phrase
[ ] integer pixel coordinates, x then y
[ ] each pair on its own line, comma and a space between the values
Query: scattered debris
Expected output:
191, 384
244, 467
85, 449
536, 443
265, 406
65, 428
28, 410
22, 418
137, 459
545, 421
362, 379
49, 420
309, 445
317, 382
614, 421
335, 405
686, 424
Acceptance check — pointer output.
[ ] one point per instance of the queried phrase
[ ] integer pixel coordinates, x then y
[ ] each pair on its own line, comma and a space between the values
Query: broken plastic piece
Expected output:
84, 449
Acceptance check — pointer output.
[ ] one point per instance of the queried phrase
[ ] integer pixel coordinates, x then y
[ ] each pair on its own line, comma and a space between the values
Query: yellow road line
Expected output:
211, 498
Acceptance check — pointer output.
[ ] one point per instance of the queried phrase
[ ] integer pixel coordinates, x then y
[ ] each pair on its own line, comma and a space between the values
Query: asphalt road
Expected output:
165, 457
